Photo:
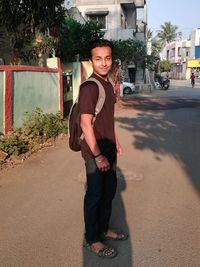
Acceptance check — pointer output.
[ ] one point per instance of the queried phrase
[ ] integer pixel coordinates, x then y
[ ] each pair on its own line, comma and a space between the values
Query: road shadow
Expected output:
118, 221
144, 103
169, 127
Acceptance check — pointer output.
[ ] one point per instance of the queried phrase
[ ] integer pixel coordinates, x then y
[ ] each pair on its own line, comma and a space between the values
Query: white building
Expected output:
121, 19
195, 44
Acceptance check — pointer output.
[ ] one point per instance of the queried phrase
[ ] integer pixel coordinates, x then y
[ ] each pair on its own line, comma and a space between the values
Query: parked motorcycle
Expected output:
164, 82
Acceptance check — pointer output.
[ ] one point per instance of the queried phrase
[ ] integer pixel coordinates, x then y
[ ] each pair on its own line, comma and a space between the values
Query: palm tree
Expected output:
149, 35
168, 33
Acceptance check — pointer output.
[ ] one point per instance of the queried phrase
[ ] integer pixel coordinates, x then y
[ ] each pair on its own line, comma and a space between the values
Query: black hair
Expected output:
99, 43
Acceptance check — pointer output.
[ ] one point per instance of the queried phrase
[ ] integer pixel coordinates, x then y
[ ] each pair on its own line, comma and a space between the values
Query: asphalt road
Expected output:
157, 202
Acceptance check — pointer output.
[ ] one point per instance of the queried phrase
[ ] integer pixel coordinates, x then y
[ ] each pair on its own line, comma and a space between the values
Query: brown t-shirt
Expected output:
104, 123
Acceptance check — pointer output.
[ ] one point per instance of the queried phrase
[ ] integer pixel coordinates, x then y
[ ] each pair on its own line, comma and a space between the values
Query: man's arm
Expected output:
88, 132
118, 146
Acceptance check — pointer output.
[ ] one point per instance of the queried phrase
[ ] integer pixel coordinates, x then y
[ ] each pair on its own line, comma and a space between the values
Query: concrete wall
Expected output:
1, 99
116, 34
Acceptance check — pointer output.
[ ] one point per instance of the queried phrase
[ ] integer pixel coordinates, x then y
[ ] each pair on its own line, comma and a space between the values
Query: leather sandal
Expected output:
119, 237
102, 253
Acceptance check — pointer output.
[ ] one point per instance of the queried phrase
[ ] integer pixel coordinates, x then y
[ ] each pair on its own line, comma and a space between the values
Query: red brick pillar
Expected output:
8, 100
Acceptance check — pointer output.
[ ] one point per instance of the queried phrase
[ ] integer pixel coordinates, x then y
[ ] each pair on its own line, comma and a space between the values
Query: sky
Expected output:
183, 13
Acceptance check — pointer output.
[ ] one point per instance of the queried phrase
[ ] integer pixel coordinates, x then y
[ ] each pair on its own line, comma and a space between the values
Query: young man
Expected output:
99, 149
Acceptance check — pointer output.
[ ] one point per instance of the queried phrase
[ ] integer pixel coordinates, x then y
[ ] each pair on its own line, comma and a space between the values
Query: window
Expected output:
167, 54
140, 14
172, 53
179, 51
100, 19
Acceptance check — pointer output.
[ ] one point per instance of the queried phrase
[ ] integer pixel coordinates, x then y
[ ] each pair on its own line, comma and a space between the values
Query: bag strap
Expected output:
102, 95
100, 101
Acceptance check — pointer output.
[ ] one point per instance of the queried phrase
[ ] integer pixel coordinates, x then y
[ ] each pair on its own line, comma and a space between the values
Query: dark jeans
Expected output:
193, 83
100, 191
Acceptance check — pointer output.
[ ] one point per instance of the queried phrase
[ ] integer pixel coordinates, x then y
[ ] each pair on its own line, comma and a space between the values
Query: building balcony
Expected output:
116, 34
119, 34
174, 60
140, 36
137, 3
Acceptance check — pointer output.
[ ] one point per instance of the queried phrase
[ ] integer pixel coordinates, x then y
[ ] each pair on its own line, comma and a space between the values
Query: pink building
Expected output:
173, 55
178, 53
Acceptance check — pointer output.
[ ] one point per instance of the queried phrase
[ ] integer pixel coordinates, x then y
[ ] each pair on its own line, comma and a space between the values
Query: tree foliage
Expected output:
23, 19
130, 51
31, 15
165, 66
153, 60
75, 38
149, 35
168, 33
42, 45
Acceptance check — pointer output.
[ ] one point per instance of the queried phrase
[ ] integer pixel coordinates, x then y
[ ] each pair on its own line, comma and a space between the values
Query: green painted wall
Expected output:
1, 100
34, 89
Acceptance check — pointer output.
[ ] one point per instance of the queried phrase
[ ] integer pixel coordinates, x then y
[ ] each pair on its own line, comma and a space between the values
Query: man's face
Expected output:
101, 60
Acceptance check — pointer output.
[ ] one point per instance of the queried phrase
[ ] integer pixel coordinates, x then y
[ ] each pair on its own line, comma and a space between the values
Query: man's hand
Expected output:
102, 163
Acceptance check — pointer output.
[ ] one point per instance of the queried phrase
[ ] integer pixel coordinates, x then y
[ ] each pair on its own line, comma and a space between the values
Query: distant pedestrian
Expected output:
192, 79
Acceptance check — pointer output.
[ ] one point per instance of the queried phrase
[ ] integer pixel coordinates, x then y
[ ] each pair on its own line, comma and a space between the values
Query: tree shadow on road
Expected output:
118, 221
171, 127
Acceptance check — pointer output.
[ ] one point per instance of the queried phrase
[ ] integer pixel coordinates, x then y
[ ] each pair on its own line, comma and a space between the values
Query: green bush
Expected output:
39, 127
13, 145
